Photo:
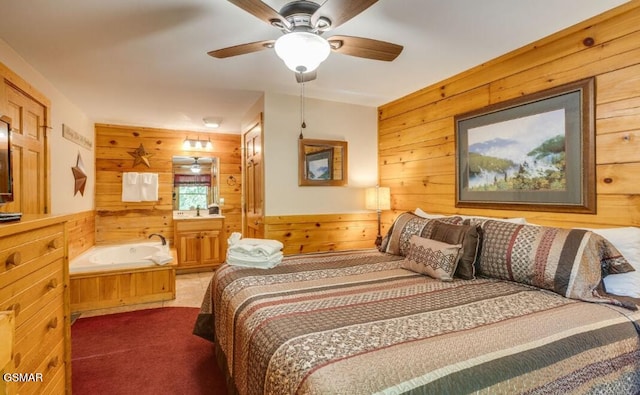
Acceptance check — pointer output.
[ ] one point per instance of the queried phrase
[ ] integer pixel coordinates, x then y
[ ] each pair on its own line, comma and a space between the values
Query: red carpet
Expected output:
143, 352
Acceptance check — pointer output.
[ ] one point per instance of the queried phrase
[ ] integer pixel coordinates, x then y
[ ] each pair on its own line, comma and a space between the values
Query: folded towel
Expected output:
161, 258
131, 177
130, 187
258, 263
233, 239
240, 256
147, 178
256, 247
149, 187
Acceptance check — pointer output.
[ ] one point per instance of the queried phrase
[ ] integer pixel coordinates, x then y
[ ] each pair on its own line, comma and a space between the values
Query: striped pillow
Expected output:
570, 262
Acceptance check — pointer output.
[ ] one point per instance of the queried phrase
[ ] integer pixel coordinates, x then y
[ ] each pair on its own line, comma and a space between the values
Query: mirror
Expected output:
322, 162
195, 182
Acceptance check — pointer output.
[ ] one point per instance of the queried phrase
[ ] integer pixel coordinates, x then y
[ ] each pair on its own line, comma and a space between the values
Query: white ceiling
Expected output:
145, 62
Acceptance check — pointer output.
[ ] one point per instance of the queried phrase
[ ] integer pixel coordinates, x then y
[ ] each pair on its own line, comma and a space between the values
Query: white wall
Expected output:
63, 152
325, 120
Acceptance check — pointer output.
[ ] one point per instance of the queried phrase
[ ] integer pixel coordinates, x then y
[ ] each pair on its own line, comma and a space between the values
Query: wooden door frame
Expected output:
258, 121
11, 78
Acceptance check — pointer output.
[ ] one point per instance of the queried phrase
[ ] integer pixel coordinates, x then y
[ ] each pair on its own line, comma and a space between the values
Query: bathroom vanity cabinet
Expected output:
34, 282
200, 242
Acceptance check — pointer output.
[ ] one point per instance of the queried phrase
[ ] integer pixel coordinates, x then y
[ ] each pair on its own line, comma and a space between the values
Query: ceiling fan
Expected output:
195, 164
303, 22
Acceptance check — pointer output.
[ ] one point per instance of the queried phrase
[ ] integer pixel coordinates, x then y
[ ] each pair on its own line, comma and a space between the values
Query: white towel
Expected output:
131, 177
149, 187
256, 247
250, 258
239, 259
233, 239
161, 258
130, 187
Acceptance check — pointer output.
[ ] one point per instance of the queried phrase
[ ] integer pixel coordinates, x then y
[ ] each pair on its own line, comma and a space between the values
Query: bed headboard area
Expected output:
417, 133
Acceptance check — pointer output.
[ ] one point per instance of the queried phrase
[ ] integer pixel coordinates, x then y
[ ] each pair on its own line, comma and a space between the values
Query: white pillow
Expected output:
627, 241
423, 214
420, 213
515, 220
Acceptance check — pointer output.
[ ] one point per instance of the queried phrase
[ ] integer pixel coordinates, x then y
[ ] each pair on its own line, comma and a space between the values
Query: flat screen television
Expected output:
6, 179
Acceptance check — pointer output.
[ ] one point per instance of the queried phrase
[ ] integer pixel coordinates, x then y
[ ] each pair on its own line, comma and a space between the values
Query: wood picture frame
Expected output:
534, 153
322, 162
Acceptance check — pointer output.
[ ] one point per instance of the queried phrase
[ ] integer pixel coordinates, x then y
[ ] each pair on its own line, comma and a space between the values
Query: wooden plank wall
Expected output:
81, 232
118, 221
322, 232
416, 132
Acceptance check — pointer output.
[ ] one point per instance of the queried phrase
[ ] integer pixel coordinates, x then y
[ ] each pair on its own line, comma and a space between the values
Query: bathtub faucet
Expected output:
164, 241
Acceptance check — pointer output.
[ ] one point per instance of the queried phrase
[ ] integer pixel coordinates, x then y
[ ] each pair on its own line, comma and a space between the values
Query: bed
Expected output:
362, 322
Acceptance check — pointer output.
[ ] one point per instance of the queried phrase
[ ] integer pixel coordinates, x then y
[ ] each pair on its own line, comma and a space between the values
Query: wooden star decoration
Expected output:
141, 155
79, 176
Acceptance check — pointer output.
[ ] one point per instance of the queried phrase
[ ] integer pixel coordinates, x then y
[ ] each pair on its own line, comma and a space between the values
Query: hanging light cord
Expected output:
303, 125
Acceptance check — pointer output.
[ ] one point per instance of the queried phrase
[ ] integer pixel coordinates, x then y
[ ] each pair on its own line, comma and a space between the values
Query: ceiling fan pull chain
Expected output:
303, 125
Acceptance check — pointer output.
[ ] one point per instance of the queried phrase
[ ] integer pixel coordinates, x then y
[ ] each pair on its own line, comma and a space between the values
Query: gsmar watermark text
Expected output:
22, 377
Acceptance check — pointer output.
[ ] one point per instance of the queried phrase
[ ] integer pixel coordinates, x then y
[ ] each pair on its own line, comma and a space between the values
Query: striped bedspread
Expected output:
356, 323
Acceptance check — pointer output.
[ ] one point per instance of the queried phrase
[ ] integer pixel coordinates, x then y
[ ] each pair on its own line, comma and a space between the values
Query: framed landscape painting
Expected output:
533, 153
320, 165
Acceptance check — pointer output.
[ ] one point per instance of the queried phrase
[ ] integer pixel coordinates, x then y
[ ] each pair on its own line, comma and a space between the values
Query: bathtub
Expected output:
120, 275
116, 257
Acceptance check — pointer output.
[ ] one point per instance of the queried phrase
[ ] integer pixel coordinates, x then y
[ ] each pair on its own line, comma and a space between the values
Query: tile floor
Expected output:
190, 289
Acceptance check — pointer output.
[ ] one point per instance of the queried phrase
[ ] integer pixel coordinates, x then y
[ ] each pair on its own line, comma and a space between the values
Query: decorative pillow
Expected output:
406, 225
433, 258
469, 236
627, 241
570, 262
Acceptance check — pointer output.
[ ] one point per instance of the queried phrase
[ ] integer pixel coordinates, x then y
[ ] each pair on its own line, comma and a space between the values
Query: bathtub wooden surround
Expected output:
34, 280
103, 289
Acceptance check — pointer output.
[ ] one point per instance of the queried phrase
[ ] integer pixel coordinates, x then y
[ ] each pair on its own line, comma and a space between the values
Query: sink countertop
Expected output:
202, 216
195, 217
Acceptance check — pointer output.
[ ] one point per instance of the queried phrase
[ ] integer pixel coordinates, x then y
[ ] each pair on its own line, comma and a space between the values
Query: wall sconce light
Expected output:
378, 198
212, 122
197, 144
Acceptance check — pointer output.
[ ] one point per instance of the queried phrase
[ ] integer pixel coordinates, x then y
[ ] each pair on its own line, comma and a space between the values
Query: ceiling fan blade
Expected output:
241, 49
261, 11
306, 77
365, 47
340, 11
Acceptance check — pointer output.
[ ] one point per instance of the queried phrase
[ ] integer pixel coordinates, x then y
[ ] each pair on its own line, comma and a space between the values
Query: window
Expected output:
192, 196
191, 190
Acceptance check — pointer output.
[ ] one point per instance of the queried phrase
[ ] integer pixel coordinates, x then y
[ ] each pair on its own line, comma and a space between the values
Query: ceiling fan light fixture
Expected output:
302, 52
195, 167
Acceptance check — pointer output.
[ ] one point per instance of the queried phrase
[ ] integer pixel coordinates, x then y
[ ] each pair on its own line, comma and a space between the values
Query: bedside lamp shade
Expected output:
378, 198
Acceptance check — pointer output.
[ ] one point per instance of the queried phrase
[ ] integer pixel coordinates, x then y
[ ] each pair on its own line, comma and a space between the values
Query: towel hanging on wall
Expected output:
130, 187
149, 187
139, 187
